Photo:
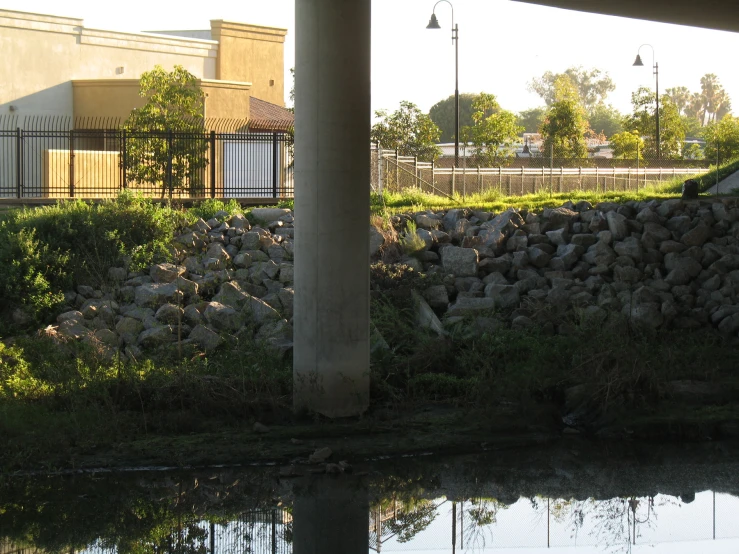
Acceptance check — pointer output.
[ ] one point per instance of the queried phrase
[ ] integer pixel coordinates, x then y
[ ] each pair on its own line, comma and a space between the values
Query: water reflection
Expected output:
463, 505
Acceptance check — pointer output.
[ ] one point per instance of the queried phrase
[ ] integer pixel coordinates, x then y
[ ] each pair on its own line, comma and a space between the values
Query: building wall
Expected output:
42, 54
115, 98
252, 54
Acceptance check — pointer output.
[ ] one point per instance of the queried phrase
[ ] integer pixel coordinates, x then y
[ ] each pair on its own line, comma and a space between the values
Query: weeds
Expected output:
494, 200
410, 242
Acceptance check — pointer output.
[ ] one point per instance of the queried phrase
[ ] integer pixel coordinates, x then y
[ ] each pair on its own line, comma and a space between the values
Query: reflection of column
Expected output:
331, 517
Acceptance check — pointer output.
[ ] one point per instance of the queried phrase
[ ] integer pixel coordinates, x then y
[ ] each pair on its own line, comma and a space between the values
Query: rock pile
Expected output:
667, 264
231, 279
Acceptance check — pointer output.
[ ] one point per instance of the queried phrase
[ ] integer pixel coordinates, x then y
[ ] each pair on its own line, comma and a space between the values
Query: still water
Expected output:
572, 497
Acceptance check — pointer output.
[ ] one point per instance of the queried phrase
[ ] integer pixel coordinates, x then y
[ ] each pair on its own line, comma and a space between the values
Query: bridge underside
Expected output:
721, 15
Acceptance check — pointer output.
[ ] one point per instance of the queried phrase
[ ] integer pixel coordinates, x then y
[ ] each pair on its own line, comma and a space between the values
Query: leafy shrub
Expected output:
43, 251
207, 209
30, 272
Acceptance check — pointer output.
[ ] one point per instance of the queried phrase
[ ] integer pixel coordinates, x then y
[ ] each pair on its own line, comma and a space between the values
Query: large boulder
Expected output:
153, 295
470, 306
268, 215
166, 273
617, 225
504, 296
205, 337
461, 262
506, 222
377, 240
222, 317
259, 312
697, 235
157, 336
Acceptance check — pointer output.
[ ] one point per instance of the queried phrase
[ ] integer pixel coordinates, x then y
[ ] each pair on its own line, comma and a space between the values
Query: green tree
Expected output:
565, 124
716, 101
710, 104
408, 130
722, 137
592, 86
606, 119
442, 114
531, 119
493, 131
681, 97
627, 145
693, 152
692, 126
672, 129
154, 154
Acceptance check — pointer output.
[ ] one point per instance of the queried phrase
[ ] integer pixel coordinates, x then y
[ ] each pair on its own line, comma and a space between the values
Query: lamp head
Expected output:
433, 23
638, 62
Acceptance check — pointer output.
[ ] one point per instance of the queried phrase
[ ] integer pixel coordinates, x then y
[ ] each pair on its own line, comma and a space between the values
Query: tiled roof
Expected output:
266, 116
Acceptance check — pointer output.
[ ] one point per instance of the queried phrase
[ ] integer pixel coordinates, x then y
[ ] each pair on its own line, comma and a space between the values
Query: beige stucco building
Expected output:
55, 65
65, 89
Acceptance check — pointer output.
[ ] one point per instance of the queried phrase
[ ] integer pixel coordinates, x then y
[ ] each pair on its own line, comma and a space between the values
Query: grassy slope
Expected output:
67, 407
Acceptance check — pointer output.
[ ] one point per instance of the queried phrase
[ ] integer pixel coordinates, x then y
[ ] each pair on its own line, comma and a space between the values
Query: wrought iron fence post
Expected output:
169, 162
19, 162
124, 181
71, 163
212, 164
275, 165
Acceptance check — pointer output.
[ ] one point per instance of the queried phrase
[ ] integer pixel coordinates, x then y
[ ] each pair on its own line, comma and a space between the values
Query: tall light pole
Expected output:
655, 69
434, 24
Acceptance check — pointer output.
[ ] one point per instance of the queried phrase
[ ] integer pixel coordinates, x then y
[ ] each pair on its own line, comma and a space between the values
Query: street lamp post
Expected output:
655, 69
434, 24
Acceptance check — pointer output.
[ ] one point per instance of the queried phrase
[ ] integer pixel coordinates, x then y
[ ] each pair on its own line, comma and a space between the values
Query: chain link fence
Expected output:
526, 174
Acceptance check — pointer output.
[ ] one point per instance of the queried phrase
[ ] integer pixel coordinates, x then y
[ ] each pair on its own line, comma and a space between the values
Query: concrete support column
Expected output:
332, 182
332, 516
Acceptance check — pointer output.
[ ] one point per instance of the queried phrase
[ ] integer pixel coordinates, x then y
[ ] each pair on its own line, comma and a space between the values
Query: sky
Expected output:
503, 44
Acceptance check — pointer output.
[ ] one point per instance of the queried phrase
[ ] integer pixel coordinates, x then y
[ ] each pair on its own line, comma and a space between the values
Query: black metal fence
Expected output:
99, 163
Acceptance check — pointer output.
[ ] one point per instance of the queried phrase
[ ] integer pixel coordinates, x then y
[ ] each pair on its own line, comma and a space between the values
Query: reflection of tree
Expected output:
412, 518
130, 514
615, 523
481, 514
